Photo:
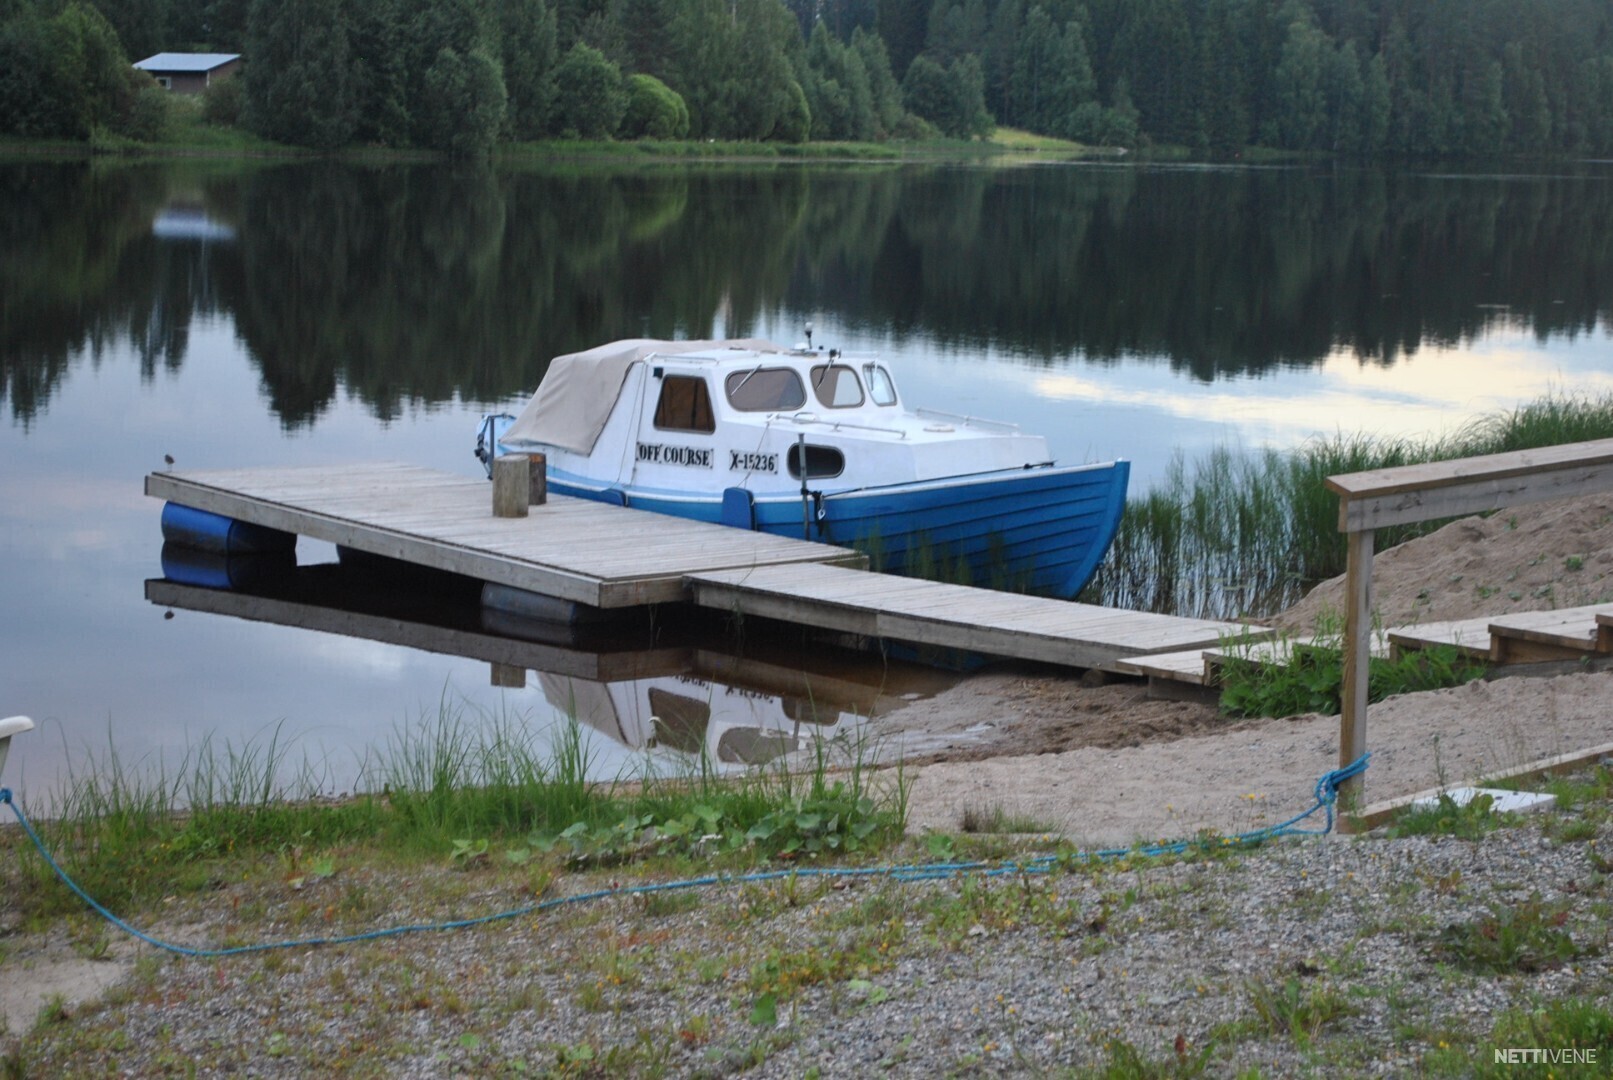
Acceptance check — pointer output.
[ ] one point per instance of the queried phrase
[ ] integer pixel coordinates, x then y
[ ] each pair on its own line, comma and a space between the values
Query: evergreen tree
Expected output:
463, 111
903, 25
380, 91
527, 37
1302, 118
1528, 111
998, 57
952, 98
884, 94
298, 87
1225, 81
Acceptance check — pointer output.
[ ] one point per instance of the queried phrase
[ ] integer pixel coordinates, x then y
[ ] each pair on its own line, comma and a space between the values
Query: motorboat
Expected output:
816, 444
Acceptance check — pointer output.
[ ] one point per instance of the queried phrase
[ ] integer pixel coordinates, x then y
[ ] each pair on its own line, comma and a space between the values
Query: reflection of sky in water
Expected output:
1144, 411
89, 658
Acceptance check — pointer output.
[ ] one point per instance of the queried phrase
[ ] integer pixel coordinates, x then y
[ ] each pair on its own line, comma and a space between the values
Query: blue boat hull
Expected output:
1041, 530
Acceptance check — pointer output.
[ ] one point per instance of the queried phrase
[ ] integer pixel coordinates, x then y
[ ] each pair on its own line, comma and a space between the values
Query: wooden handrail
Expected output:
1376, 498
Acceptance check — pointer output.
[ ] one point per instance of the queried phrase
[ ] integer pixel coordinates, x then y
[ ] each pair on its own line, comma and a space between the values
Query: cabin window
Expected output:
880, 387
836, 386
765, 390
685, 405
680, 722
821, 461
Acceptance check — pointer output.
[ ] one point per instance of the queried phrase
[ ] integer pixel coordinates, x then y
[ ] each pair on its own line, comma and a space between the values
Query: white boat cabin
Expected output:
705, 416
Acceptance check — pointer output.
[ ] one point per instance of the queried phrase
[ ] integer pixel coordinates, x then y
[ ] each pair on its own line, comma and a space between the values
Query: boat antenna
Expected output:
809, 335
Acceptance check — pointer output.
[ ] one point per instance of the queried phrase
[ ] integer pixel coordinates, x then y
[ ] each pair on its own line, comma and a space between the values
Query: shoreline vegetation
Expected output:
1359, 79
196, 137
1244, 534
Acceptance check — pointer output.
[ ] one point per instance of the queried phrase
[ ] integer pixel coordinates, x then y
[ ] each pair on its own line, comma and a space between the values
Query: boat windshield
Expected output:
836, 386
765, 390
880, 387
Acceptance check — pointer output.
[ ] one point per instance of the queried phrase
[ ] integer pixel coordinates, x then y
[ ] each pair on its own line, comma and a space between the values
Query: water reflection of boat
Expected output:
185, 221
661, 695
692, 716
815, 443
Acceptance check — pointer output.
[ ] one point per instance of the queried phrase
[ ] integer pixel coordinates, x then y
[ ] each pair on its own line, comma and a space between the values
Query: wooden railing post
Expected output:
1405, 494
1357, 661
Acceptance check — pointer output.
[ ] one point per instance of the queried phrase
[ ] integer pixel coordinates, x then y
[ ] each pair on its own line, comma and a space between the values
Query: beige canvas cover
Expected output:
577, 395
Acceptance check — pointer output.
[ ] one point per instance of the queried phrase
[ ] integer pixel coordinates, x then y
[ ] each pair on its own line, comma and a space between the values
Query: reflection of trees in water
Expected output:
417, 284
1233, 271
413, 284
80, 273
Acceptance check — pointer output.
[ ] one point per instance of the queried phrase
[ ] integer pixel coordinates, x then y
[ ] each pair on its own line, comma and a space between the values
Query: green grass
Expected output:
1238, 533
1472, 820
1295, 1008
1529, 936
1570, 1024
1313, 680
461, 787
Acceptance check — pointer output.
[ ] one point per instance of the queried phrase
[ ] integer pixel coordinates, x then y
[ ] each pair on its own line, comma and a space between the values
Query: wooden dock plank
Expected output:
1187, 666
954, 616
571, 549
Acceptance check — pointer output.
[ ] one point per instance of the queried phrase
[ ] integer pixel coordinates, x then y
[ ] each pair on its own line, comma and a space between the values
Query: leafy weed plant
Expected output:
1296, 1009
1312, 680
1123, 1061
1524, 937
1447, 817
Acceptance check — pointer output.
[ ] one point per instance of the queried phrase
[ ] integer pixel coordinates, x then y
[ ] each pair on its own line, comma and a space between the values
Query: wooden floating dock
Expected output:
571, 549
607, 556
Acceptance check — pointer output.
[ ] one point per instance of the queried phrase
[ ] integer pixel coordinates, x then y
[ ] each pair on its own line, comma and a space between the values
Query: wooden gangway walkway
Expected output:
607, 556
953, 616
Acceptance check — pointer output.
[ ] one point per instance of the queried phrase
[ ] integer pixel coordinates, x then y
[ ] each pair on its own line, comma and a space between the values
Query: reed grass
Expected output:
133, 832
1239, 533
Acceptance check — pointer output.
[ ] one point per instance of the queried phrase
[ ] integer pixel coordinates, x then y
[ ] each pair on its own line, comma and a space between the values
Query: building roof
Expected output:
197, 62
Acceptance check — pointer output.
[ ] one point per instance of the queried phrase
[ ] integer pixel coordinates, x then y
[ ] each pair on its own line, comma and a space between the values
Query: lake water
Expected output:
231, 314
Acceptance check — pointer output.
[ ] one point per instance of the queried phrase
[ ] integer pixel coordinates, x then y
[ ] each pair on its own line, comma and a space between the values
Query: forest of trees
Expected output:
1354, 77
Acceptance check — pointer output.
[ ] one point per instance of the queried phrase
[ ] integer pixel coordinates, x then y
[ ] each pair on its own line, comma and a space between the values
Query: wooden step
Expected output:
1185, 666
1471, 637
1527, 637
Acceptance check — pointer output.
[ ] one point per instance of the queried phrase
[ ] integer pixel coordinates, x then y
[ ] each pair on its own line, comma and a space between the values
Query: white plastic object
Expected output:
11, 725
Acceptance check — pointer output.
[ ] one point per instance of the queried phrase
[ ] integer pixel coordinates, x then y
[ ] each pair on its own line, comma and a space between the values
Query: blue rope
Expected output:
1327, 788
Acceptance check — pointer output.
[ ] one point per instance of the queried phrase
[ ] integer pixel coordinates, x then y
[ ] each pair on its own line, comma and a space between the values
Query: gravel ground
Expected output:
1327, 957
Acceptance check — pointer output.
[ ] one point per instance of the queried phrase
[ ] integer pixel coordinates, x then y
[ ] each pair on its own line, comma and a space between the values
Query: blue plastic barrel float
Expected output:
220, 535
211, 570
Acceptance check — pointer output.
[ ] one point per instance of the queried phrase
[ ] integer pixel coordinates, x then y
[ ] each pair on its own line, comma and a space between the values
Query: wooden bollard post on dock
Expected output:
512, 485
539, 489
